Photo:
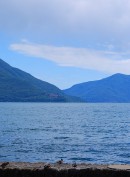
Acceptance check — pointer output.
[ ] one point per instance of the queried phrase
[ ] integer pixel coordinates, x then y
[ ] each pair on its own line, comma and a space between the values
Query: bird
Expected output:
74, 164
3, 165
46, 166
60, 161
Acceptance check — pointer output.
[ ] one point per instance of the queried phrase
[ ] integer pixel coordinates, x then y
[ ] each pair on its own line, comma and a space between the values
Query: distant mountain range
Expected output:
114, 89
19, 86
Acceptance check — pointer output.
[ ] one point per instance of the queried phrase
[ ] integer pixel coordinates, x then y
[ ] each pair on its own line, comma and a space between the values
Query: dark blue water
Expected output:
92, 133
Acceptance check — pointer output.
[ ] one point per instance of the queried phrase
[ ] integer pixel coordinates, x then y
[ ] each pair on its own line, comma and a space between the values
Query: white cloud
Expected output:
105, 61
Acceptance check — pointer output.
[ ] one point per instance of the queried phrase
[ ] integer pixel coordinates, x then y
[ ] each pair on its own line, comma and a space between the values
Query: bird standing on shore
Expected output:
74, 165
46, 166
60, 162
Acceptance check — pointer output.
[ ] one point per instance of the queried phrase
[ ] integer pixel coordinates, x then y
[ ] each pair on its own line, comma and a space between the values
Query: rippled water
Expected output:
92, 133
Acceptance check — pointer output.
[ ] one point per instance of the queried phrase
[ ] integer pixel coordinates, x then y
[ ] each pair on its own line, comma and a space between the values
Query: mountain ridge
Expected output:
114, 88
19, 86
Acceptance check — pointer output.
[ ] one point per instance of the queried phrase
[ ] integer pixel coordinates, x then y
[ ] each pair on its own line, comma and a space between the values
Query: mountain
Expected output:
19, 86
115, 88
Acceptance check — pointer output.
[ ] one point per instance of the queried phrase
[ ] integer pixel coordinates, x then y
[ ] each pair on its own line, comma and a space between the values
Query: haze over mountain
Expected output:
115, 88
17, 85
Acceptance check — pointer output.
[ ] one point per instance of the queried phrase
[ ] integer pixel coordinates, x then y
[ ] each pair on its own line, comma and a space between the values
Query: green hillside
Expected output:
19, 86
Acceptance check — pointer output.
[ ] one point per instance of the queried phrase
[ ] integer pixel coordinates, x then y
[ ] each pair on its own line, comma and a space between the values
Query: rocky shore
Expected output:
60, 169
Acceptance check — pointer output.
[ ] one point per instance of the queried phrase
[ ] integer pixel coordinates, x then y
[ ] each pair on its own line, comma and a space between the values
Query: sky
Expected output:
65, 42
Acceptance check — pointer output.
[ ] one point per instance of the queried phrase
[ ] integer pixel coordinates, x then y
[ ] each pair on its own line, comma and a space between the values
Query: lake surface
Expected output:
91, 133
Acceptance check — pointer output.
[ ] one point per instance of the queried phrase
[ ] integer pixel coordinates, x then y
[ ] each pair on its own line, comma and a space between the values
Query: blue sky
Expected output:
66, 41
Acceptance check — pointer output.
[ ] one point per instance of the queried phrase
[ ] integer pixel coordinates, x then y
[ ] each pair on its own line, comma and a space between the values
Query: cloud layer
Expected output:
106, 61
96, 30
90, 20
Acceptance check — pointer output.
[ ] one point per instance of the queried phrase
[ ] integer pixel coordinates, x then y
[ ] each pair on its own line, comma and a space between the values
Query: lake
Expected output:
76, 132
